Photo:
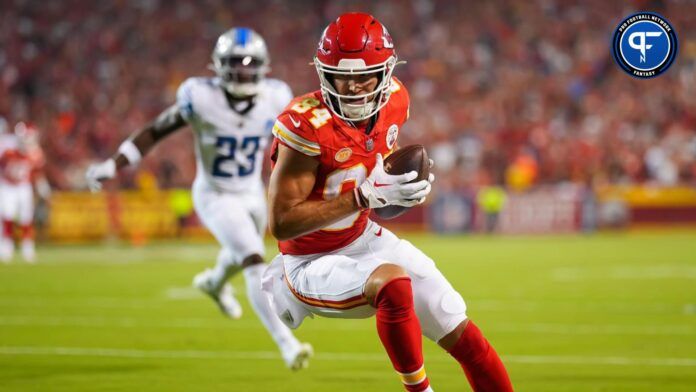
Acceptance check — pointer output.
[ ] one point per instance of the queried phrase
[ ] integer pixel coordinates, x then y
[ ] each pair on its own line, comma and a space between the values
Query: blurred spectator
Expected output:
491, 200
523, 90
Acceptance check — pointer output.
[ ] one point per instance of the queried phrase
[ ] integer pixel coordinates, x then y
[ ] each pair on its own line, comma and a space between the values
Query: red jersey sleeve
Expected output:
400, 98
293, 129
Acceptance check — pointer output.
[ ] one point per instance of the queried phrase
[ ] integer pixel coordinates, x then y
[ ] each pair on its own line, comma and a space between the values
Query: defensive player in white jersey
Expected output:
231, 116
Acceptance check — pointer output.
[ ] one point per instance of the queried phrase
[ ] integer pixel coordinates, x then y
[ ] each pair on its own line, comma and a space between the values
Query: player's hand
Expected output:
43, 189
381, 189
98, 172
431, 176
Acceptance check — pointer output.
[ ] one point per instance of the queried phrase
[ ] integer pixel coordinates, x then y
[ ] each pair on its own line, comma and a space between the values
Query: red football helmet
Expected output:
355, 44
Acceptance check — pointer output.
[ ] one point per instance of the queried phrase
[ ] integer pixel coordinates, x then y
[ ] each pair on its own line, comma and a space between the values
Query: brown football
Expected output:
404, 160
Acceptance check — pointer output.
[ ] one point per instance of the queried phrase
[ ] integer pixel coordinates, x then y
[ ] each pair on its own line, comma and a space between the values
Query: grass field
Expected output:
607, 312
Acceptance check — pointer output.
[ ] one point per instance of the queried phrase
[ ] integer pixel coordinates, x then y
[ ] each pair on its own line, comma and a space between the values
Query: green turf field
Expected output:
608, 312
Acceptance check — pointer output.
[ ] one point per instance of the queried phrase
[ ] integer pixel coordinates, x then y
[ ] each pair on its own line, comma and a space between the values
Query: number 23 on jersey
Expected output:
230, 149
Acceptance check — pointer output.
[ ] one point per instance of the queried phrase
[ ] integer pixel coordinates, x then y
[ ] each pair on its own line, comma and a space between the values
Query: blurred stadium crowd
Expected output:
510, 92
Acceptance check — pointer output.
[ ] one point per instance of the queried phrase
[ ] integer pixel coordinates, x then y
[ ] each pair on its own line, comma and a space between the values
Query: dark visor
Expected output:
241, 62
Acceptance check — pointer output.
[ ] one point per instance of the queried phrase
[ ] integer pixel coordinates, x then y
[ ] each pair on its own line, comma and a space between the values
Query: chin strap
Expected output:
352, 110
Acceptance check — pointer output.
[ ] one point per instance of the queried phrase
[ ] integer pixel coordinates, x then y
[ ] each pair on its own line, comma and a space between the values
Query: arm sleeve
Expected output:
293, 131
184, 99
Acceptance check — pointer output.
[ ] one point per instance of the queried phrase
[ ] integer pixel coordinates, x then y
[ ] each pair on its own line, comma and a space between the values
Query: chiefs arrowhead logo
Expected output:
343, 154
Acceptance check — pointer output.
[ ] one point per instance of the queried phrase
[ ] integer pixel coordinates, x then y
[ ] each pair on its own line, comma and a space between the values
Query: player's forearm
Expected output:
43, 189
144, 139
311, 215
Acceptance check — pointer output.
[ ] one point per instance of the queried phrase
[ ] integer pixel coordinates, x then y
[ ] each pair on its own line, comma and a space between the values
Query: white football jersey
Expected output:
7, 141
230, 145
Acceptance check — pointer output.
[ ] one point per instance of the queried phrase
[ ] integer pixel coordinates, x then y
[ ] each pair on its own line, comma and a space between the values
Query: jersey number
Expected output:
334, 185
226, 151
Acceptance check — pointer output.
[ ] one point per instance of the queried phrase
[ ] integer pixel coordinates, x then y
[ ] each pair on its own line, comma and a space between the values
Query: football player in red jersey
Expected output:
328, 173
21, 164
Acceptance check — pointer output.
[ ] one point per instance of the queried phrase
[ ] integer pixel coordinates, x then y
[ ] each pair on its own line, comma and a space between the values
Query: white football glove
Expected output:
381, 189
98, 172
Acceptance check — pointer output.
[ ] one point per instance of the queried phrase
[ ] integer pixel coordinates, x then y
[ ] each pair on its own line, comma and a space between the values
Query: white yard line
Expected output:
118, 322
328, 356
624, 272
185, 293
172, 294
98, 303
622, 307
595, 329
251, 323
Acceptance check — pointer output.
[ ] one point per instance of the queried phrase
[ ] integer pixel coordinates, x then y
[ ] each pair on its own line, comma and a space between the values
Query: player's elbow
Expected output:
280, 231
277, 225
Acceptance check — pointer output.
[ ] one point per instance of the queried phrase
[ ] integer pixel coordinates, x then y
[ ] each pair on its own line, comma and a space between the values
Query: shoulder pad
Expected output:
311, 109
399, 98
295, 131
187, 92
279, 91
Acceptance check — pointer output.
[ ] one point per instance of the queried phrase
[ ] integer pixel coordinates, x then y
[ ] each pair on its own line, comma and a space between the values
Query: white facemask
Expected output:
358, 108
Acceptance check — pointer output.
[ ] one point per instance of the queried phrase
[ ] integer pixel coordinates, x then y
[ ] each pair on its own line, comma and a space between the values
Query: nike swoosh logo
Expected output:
379, 233
295, 123
379, 184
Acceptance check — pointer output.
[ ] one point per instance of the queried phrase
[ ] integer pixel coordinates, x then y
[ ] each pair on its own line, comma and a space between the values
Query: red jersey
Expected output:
346, 157
19, 167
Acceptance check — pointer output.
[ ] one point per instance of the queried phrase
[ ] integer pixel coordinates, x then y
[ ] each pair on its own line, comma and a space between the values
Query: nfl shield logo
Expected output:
370, 144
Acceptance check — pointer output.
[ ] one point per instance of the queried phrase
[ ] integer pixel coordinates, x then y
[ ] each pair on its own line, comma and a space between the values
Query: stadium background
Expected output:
533, 127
